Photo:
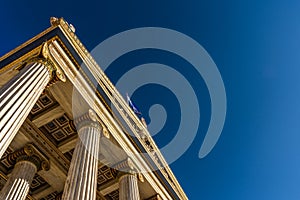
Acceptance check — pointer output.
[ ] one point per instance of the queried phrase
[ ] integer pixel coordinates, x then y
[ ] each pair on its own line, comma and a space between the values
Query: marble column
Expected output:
27, 162
128, 187
128, 181
18, 96
81, 183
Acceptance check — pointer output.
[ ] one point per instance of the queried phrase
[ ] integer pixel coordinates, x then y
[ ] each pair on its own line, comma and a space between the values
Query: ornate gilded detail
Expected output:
54, 21
44, 57
141, 177
29, 153
105, 132
56, 73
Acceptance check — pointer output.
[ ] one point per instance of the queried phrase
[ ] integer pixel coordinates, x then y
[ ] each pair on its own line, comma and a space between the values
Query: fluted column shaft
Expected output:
18, 97
128, 187
18, 184
81, 183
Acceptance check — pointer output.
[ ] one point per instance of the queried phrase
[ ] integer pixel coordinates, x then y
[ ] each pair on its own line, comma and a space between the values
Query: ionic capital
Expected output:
29, 153
87, 119
127, 167
44, 57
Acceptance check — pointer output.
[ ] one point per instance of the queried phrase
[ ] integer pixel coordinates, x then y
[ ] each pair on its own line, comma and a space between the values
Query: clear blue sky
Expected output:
256, 46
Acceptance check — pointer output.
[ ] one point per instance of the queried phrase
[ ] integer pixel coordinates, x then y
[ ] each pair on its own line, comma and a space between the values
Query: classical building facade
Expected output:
66, 132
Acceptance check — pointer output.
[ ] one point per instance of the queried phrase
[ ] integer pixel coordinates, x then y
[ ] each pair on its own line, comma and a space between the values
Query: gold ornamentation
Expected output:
61, 76
105, 132
45, 51
141, 177
92, 115
55, 71
44, 57
144, 122
54, 21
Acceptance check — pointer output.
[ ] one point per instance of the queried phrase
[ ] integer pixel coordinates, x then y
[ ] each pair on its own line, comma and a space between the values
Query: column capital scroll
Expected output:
29, 153
126, 165
54, 69
44, 57
87, 119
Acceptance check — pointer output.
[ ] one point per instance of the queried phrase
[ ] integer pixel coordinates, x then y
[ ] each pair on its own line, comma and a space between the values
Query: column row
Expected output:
17, 98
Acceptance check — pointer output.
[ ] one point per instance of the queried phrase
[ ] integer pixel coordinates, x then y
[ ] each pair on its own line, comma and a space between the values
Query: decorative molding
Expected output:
105, 175
60, 130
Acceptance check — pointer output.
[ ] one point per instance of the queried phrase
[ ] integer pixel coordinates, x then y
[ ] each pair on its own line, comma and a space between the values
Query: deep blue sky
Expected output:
256, 46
